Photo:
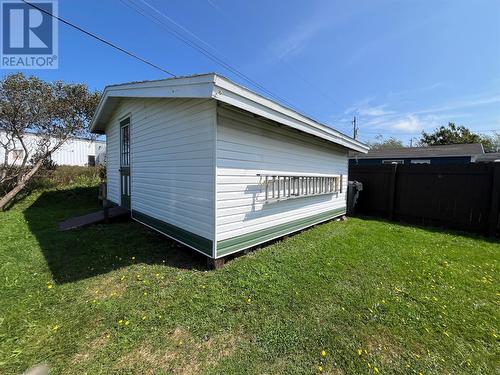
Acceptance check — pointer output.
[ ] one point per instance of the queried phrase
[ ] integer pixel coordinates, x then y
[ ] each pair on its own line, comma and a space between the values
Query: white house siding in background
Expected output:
75, 151
172, 162
246, 147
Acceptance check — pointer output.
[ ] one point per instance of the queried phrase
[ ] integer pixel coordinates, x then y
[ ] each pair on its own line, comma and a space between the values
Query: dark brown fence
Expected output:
455, 196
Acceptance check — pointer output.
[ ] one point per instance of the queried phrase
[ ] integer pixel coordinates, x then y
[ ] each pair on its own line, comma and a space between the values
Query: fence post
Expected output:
495, 197
392, 190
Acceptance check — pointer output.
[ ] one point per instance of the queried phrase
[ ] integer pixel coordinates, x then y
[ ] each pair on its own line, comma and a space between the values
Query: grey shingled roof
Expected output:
491, 156
422, 152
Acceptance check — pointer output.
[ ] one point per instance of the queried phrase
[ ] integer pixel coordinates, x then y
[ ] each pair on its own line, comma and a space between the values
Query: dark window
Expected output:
91, 161
125, 144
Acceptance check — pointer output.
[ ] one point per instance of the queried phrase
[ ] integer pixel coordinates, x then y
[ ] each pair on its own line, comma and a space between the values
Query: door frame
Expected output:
125, 170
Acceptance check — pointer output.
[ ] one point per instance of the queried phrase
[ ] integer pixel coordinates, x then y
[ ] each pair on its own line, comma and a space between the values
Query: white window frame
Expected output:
393, 161
420, 161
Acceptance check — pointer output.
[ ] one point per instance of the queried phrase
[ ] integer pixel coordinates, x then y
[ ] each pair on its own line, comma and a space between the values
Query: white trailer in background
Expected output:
75, 151
216, 166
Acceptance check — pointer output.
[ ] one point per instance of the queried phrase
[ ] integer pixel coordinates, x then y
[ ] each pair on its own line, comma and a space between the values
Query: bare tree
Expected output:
54, 111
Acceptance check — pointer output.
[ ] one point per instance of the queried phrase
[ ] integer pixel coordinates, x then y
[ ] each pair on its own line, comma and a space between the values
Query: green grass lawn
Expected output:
376, 297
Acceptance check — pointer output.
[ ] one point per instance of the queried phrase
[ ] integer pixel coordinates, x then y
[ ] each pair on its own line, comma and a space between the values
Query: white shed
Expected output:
216, 166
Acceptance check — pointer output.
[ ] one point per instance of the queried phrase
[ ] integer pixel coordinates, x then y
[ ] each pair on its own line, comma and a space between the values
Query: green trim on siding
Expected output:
245, 241
197, 242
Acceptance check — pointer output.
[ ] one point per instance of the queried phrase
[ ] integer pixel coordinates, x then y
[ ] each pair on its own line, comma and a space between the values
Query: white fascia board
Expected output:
235, 95
189, 87
217, 87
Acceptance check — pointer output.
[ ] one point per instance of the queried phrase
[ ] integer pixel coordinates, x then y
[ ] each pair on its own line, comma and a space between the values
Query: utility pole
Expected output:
354, 128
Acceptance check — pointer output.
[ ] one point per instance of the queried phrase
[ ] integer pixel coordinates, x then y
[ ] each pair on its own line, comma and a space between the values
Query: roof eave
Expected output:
220, 88
238, 96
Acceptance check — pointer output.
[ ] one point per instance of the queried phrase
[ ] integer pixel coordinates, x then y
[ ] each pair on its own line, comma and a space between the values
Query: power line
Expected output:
297, 73
131, 54
199, 48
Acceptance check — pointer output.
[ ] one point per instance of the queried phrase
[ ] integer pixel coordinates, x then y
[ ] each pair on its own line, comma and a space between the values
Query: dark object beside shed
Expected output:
353, 189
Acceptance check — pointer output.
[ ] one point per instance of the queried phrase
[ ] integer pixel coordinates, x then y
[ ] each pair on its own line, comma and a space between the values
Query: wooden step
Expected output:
93, 218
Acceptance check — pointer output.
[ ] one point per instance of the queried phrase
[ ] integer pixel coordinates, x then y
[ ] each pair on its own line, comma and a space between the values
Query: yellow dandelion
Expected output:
144, 317
145, 293
157, 275
320, 368
323, 353
49, 286
375, 369
360, 351
249, 300
127, 322
56, 327
120, 322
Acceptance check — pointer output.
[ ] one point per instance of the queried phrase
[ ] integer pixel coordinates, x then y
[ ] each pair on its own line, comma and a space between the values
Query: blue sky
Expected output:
400, 66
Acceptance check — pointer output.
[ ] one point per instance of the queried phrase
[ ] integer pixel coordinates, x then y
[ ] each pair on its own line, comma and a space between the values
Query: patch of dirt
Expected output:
384, 346
106, 288
185, 354
90, 350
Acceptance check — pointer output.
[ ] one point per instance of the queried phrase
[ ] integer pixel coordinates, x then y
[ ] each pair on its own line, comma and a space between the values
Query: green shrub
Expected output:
75, 175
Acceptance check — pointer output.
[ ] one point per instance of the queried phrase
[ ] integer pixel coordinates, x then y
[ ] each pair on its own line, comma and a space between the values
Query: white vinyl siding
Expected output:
172, 159
246, 147
74, 151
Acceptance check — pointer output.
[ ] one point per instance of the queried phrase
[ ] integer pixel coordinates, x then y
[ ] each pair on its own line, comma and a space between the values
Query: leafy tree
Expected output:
55, 111
495, 140
453, 134
382, 143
